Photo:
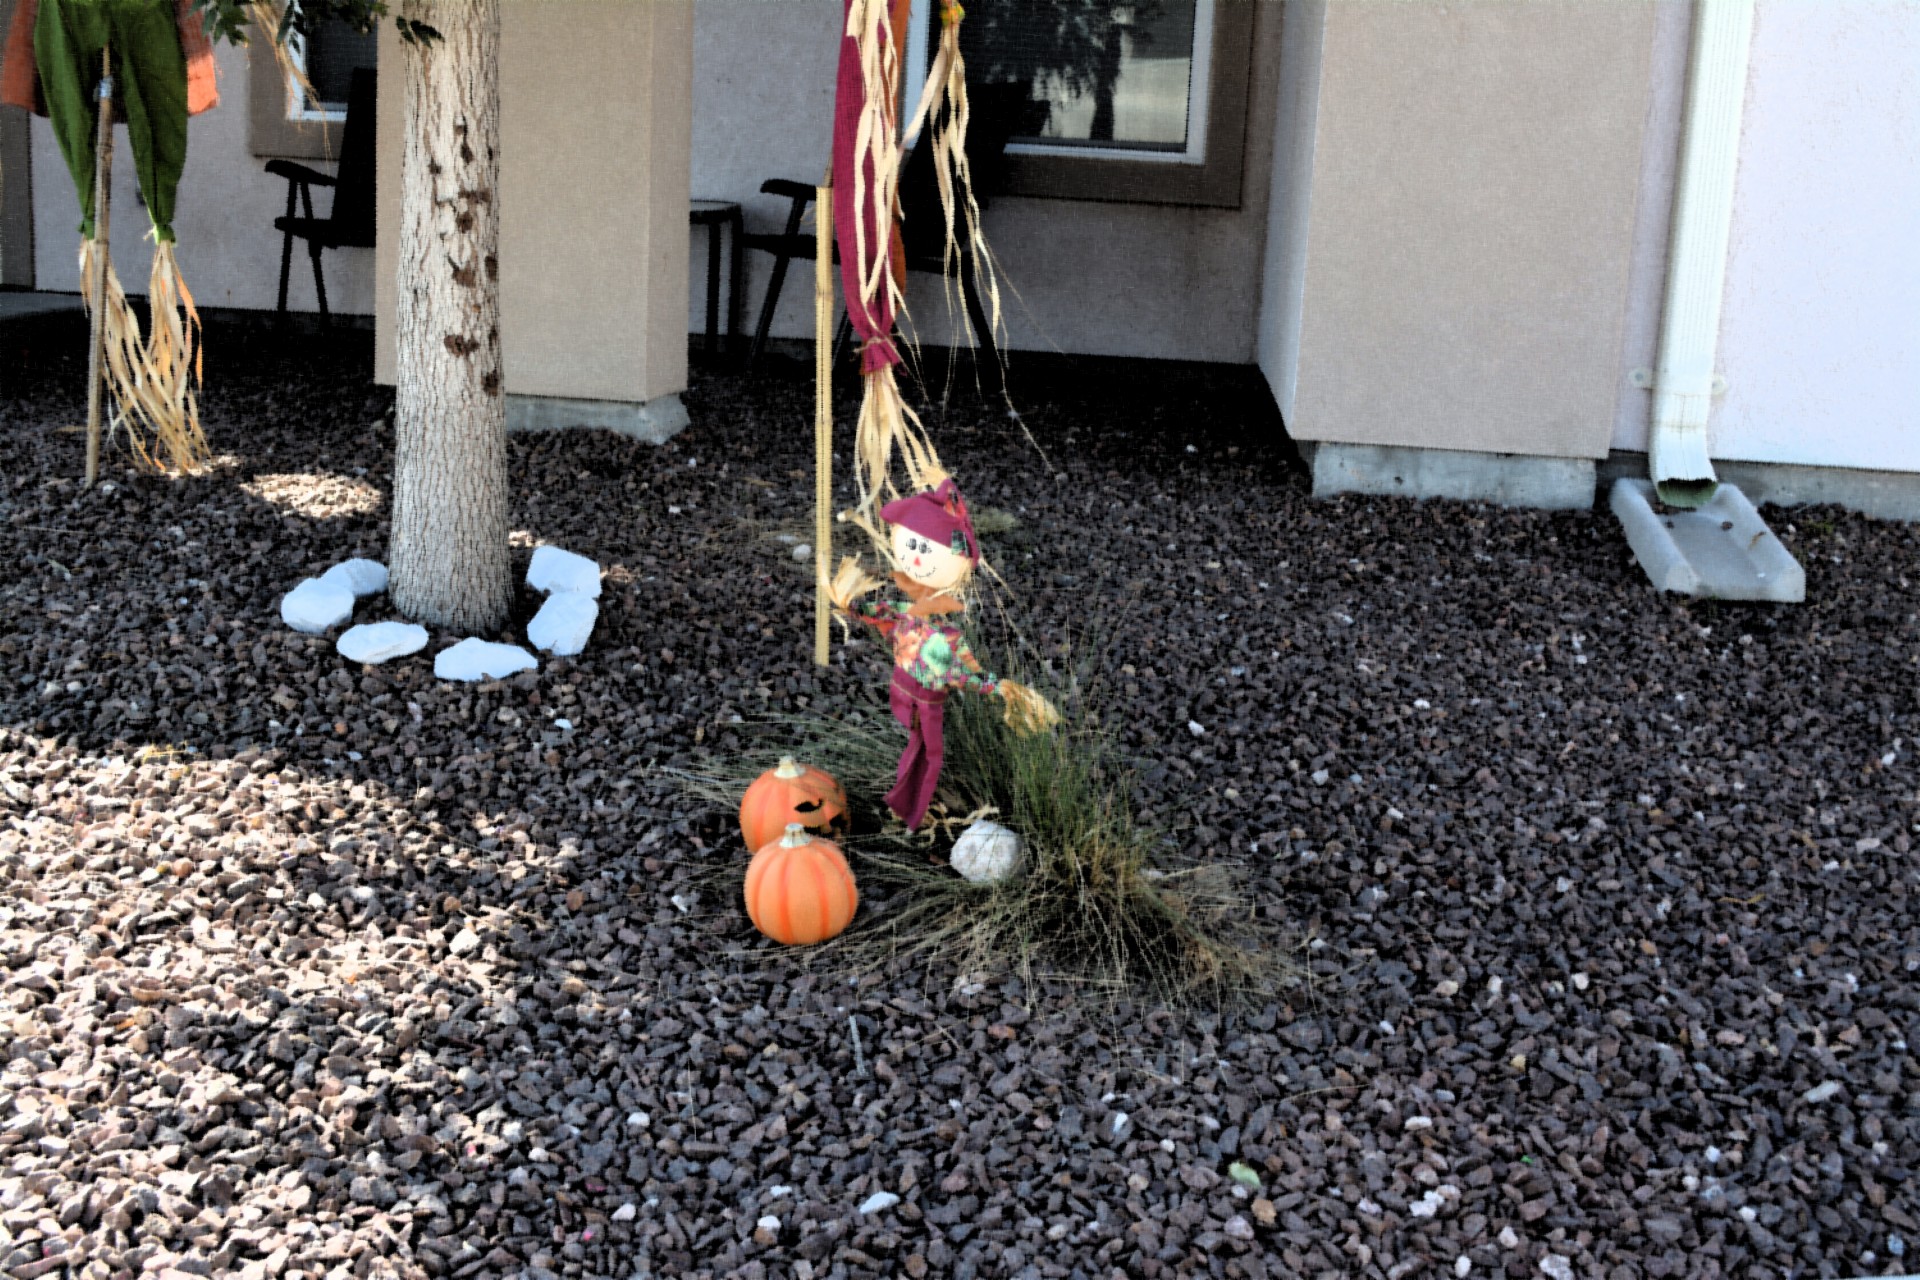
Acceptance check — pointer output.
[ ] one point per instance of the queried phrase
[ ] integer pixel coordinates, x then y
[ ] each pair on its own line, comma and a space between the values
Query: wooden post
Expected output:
102, 207
822, 419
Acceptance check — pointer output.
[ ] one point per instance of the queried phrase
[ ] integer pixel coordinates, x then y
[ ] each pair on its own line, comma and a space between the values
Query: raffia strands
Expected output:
944, 115
1028, 711
150, 379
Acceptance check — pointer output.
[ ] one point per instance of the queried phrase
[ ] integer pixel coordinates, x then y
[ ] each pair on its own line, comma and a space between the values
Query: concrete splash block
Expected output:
1722, 551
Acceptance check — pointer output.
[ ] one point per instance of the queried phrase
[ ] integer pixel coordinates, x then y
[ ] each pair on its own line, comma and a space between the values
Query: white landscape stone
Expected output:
474, 659
373, 642
556, 570
564, 623
878, 1202
985, 852
316, 607
362, 577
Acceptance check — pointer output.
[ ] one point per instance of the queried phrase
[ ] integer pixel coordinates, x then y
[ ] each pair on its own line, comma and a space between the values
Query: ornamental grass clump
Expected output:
1098, 897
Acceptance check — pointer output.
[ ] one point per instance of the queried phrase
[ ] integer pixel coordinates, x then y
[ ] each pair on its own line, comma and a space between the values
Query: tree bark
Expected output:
449, 558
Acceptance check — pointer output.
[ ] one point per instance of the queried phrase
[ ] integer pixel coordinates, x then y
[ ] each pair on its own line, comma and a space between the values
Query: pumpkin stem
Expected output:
795, 837
788, 768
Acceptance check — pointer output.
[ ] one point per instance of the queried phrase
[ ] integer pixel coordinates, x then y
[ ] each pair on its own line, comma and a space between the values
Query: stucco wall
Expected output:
1284, 281
228, 249
1820, 335
1096, 278
1472, 223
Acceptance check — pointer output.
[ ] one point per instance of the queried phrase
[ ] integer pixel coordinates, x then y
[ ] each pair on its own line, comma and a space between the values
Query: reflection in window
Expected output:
1103, 76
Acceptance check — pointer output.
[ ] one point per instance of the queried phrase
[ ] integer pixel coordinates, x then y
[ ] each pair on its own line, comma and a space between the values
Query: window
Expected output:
283, 119
1139, 101
329, 60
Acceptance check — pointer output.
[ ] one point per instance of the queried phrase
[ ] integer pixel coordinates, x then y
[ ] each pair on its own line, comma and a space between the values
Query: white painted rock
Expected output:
474, 659
986, 852
556, 570
379, 641
362, 577
316, 607
563, 623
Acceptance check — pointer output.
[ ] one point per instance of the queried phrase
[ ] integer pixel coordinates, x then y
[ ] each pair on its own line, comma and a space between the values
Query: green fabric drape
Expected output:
149, 93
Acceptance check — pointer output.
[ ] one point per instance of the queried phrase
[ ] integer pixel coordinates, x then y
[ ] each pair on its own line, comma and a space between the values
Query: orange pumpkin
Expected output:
789, 792
799, 889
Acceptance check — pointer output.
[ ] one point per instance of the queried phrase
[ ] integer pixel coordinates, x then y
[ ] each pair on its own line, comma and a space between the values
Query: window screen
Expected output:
333, 53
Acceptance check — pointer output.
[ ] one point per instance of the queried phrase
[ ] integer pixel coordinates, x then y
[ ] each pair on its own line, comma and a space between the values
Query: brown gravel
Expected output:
315, 971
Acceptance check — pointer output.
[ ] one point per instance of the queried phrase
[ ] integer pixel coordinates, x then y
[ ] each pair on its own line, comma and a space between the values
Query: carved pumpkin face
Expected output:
934, 565
789, 792
799, 890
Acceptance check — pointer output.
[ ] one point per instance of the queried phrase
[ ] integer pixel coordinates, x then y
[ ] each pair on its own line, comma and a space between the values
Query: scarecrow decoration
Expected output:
935, 553
85, 64
861, 207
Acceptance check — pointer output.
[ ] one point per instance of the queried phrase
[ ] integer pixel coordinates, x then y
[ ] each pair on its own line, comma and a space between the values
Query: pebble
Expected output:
362, 577
1822, 1092
625, 1213
377, 642
473, 660
1508, 1238
1463, 1266
1238, 1228
1555, 1267
767, 1230
553, 569
564, 623
878, 1202
464, 942
315, 607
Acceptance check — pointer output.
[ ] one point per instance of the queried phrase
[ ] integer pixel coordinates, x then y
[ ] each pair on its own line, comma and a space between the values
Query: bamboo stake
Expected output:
822, 417
102, 209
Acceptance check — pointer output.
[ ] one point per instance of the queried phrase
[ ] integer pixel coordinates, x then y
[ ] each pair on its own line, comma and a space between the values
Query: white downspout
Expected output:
1684, 379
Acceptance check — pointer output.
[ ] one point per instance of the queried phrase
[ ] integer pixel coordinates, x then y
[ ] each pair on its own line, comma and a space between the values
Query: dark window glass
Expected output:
333, 53
1101, 75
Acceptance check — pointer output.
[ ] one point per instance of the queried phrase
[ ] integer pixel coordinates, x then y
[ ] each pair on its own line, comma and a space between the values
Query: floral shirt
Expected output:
935, 654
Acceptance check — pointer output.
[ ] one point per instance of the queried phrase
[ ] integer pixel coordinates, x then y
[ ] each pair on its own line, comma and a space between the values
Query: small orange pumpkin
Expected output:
789, 792
800, 890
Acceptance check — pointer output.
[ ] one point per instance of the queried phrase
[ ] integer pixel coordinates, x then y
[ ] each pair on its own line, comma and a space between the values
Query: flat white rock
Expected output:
362, 577
379, 641
316, 607
564, 623
556, 570
879, 1202
474, 659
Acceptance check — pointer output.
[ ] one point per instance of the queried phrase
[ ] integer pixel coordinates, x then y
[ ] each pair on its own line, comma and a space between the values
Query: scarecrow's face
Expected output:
931, 564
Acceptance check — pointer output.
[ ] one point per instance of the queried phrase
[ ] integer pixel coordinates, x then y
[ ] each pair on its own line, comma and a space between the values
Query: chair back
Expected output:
353, 215
996, 115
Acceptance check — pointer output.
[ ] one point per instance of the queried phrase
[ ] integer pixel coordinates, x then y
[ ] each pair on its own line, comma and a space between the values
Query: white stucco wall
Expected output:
1079, 276
1820, 339
1284, 281
228, 249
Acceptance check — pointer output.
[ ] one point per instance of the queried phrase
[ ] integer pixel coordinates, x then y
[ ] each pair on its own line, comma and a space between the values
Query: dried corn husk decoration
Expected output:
867, 159
83, 63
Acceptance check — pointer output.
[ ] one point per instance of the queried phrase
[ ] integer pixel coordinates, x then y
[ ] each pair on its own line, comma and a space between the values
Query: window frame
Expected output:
1207, 174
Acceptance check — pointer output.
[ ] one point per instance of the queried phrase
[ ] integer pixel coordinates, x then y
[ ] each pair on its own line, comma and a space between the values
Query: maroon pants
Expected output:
923, 711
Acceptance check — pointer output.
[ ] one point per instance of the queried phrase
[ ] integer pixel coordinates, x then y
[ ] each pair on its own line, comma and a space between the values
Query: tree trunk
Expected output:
449, 557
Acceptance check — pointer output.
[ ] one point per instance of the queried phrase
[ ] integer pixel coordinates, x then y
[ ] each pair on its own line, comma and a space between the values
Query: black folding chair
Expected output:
997, 114
349, 223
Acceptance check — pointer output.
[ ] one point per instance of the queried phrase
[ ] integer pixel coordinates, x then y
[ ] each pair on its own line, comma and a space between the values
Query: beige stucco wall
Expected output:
1471, 228
1284, 278
595, 101
228, 248
1084, 277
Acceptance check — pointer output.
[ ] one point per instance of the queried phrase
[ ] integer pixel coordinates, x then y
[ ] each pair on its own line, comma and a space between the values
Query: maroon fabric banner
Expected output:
873, 326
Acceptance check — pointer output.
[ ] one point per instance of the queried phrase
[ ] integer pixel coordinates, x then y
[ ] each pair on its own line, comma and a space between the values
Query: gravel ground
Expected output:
315, 971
